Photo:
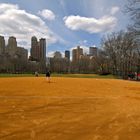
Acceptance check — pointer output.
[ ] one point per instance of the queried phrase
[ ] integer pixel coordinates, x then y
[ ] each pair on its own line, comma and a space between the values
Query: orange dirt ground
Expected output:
69, 109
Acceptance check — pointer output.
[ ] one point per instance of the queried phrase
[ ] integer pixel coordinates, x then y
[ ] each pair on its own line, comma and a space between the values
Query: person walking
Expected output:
48, 74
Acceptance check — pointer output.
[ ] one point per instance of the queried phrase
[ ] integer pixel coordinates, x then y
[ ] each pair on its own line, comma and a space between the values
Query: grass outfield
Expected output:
69, 109
62, 75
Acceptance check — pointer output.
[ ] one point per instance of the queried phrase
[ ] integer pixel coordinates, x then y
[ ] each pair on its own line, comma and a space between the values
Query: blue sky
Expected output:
64, 23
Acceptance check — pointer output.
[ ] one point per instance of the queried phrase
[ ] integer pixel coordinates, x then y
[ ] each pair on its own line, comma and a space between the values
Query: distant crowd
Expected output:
134, 76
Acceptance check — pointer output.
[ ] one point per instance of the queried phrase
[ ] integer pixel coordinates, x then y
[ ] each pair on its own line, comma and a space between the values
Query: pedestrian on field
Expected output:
36, 74
48, 74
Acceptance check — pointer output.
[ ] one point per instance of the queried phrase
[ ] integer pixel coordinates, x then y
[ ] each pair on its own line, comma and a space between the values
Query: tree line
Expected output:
122, 49
119, 53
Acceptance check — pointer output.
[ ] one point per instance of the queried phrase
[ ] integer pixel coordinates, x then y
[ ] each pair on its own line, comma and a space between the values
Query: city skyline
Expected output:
12, 40
64, 24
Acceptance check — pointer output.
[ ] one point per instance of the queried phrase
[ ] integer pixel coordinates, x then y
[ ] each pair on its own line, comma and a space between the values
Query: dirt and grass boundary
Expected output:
62, 75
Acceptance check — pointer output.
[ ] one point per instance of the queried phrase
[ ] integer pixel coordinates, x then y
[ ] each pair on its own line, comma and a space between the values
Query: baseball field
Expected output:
69, 109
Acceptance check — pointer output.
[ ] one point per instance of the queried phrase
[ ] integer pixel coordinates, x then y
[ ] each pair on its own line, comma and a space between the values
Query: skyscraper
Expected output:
42, 47
38, 49
67, 54
12, 43
77, 53
2, 45
12, 46
34, 46
57, 55
74, 55
22, 53
93, 51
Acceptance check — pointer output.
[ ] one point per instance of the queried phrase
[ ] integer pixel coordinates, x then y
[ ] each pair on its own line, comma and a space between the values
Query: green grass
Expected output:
62, 75
85, 76
16, 75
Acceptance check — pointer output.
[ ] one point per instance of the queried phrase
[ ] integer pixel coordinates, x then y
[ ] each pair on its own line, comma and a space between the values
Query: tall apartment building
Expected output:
67, 55
74, 55
38, 49
12, 43
22, 53
34, 46
12, 49
93, 51
42, 47
57, 55
2, 45
77, 53
12, 46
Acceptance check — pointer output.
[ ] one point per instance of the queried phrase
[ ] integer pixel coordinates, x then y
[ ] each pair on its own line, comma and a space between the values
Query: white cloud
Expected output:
91, 25
114, 10
51, 53
83, 42
85, 49
47, 14
23, 25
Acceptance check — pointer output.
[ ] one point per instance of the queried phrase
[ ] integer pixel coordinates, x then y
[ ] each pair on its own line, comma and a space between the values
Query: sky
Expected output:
64, 23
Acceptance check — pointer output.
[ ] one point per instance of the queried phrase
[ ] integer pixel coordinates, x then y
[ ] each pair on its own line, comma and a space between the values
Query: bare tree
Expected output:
120, 50
133, 9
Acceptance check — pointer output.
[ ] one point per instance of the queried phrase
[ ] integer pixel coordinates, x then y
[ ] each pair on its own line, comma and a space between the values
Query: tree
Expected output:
102, 62
121, 51
133, 8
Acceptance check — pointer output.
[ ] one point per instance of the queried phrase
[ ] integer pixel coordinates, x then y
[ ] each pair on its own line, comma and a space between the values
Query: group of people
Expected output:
134, 76
48, 74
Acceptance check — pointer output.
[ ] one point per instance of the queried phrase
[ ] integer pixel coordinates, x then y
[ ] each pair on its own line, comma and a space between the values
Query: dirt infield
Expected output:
69, 109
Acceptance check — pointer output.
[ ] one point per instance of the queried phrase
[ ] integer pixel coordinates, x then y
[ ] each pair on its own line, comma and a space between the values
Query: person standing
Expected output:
36, 74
